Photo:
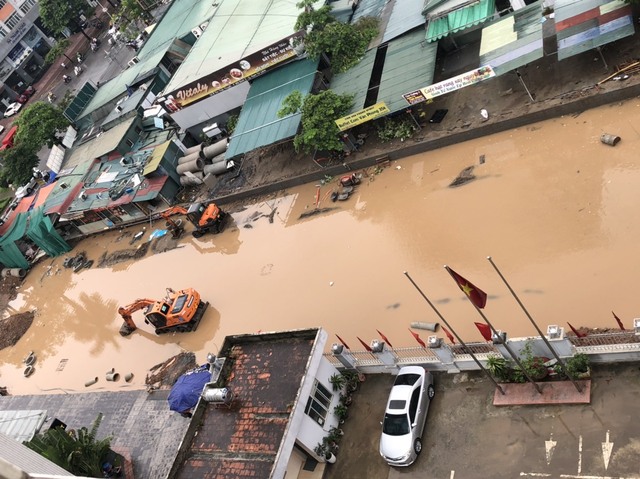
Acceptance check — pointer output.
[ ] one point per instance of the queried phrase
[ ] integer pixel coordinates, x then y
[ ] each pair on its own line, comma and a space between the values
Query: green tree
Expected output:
318, 115
58, 50
39, 124
344, 43
19, 162
59, 14
131, 10
76, 451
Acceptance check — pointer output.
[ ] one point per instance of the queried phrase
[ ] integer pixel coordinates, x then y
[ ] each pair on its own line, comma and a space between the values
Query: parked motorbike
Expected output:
66, 78
77, 70
351, 180
51, 97
79, 57
95, 45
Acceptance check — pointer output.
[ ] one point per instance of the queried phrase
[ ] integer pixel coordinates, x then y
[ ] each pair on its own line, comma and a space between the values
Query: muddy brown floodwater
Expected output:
556, 209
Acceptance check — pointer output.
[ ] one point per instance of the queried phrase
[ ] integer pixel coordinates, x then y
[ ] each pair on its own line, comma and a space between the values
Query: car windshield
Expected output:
395, 424
406, 379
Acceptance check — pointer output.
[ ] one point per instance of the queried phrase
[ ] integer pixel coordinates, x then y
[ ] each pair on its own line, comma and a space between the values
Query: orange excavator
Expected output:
179, 311
205, 219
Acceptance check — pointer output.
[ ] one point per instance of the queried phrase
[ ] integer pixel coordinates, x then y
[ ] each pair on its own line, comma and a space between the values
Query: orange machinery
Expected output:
179, 311
205, 219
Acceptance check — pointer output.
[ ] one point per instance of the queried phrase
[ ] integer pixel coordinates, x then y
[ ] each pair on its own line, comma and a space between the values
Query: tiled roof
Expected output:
243, 440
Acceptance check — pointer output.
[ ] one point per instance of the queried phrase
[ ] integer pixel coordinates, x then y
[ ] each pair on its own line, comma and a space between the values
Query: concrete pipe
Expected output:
193, 149
193, 166
611, 140
428, 326
216, 168
15, 272
215, 159
215, 149
189, 181
113, 376
128, 377
91, 382
189, 158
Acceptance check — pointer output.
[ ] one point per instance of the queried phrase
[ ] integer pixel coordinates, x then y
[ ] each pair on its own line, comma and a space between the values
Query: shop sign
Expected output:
249, 67
17, 33
362, 116
456, 83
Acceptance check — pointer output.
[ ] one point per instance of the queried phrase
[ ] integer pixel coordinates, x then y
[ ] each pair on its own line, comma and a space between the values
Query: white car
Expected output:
12, 109
405, 416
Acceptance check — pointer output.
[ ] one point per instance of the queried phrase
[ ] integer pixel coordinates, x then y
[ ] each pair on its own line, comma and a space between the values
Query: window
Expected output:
2, 33
318, 403
12, 21
3, 3
26, 6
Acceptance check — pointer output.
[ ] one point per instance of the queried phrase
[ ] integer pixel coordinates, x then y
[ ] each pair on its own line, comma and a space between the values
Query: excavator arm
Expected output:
126, 311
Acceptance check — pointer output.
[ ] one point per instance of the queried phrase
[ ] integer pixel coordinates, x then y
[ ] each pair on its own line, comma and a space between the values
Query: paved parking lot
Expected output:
468, 438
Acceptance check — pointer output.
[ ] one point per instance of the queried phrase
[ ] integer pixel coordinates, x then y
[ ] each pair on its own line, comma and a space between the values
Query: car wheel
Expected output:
417, 445
431, 391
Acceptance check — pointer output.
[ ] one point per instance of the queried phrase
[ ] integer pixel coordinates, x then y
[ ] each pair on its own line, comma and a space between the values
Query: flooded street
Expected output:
556, 209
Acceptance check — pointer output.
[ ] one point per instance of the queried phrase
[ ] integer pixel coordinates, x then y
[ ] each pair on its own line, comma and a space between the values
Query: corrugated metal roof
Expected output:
27, 459
369, 8
442, 24
101, 145
259, 123
156, 157
406, 15
21, 425
237, 29
409, 65
584, 25
513, 40
355, 81
342, 10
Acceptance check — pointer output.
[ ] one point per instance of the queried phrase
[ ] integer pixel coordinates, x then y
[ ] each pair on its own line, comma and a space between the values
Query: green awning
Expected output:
459, 18
355, 81
43, 234
259, 124
10, 255
409, 65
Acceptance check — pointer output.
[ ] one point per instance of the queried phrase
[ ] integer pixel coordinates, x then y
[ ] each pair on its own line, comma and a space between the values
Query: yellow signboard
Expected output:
362, 116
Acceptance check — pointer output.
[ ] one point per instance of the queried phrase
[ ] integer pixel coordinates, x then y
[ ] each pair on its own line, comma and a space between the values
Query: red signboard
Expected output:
249, 67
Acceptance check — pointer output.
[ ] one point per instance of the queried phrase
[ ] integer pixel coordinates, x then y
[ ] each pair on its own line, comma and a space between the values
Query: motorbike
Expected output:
95, 44
51, 97
351, 180
77, 70
66, 78
79, 57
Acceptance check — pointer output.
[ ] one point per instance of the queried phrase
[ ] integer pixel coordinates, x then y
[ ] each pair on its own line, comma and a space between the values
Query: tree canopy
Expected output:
19, 162
39, 124
318, 115
58, 14
57, 50
344, 43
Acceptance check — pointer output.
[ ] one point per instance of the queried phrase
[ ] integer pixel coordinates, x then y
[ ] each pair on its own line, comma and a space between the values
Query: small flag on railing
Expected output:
620, 325
384, 338
475, 294
365, 345
576, 332
449, 335
485, 330
417, 337
342, 341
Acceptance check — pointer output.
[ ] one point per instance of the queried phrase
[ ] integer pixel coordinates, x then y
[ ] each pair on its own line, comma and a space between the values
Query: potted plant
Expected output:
498, 368
337, 381
346, 399
341, 412
325, 453
578, 366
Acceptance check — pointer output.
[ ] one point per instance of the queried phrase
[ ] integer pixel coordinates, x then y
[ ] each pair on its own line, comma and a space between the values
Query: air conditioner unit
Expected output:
554, 331
203, 26
197, 32
133, 61
82, 195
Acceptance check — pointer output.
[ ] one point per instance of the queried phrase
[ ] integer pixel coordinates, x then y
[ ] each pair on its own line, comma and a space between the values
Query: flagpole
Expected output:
501, 339
453, 331
544, 338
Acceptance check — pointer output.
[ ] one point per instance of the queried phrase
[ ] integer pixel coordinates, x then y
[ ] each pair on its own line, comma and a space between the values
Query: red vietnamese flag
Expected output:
449, 335
365, 345
475, 294
343, 343
420, 341
620, 325
485, 330
384, 338
575, 331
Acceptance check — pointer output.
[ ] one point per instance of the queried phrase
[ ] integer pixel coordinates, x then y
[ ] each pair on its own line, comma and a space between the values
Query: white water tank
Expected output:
218, 395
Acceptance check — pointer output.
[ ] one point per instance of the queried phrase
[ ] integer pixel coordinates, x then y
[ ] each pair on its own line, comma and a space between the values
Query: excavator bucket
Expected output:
126, 330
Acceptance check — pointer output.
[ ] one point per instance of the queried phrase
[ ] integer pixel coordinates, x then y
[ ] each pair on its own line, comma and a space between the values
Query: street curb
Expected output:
486, 129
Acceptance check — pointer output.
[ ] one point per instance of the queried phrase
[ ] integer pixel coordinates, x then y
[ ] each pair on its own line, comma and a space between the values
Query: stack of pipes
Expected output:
202, 162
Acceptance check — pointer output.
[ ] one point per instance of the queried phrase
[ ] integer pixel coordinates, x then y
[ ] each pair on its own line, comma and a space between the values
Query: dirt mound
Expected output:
165, 374
123, 255
14, 327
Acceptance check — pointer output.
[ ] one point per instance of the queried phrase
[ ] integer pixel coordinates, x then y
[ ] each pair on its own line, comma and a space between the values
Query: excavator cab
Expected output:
206, 218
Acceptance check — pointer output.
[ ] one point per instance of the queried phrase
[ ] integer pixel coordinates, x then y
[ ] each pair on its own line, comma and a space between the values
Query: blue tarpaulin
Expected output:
186, 391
